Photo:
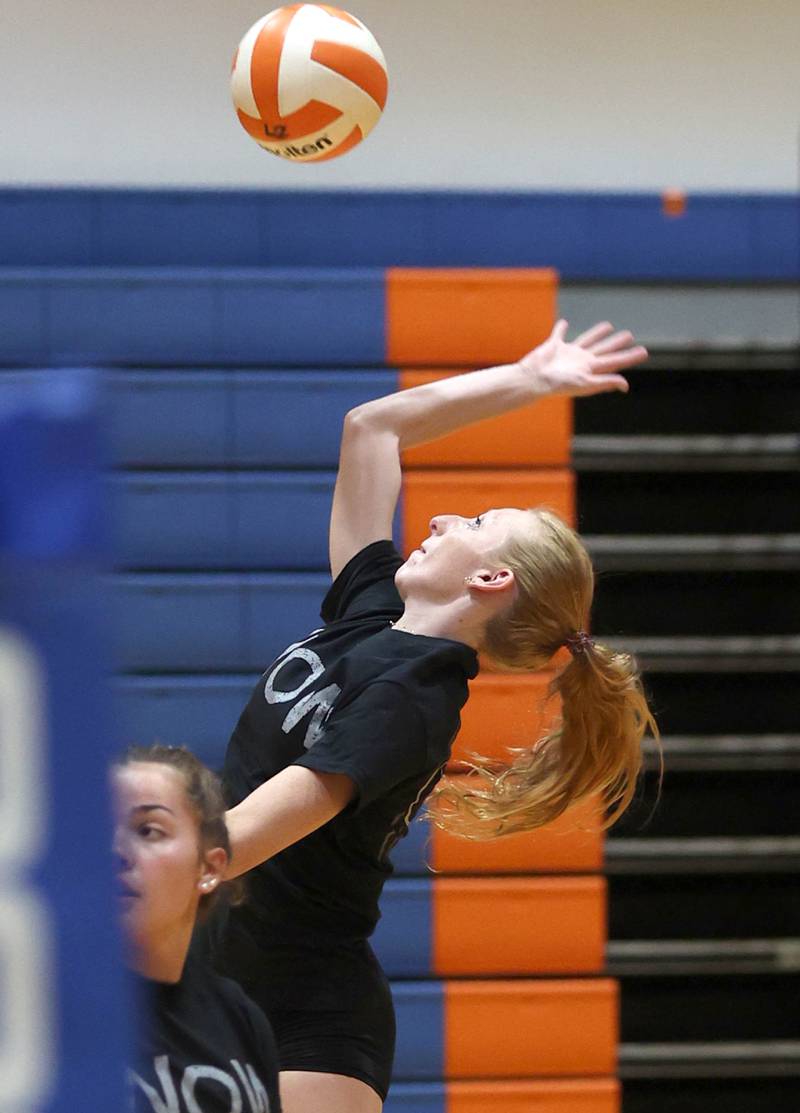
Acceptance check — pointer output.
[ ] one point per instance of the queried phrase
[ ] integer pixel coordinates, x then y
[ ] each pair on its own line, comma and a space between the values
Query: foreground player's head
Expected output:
171, 849
529, 578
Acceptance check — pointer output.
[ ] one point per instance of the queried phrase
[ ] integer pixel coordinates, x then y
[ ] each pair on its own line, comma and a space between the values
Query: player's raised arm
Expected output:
375, 434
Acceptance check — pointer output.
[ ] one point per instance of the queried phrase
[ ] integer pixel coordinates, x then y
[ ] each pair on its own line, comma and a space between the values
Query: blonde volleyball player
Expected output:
202, 1047
348, 731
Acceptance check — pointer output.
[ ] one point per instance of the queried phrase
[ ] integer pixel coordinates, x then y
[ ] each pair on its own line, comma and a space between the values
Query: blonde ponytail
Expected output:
594, 753
596, 750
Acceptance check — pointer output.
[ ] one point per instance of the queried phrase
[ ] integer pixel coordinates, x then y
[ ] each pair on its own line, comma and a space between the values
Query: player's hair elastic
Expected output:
579, 642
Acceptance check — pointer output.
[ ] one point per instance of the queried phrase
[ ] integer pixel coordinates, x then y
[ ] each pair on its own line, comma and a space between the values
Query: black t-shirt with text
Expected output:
202, 1047
355, 697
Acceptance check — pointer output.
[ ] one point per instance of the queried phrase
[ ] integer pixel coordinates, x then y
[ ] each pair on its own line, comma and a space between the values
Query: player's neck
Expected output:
161, 960
448, 620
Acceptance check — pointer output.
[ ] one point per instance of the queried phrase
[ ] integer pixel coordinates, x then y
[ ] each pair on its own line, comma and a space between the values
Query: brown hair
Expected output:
204, 793
596, 749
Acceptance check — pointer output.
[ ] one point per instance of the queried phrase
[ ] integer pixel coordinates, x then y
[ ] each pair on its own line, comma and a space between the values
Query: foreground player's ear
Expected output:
214, 864
491, 580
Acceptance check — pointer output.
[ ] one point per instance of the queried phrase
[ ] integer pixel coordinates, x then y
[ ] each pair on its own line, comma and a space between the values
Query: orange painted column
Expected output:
469, 317
537, 1040
531, 1028
571, 1095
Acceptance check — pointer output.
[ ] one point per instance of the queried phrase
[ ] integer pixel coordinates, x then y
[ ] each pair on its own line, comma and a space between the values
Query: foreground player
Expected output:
203, 1048
348, 731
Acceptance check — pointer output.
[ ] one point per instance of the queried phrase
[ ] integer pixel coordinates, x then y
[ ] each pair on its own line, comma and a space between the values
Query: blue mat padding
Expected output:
130, 316
591, 235
417, 1097
420, 1030
403, 939
266, 419
195, 711
411, 854
217, 520
223, 622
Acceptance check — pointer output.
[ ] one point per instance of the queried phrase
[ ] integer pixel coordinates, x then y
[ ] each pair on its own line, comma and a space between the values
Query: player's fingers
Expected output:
616, 361
602, 384
613, 343
595, 333
559, 329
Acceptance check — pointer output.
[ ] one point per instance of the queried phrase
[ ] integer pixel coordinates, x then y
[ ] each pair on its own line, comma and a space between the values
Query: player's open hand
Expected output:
590, 364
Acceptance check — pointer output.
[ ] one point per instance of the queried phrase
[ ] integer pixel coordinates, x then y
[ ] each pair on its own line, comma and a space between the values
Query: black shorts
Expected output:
330, 1005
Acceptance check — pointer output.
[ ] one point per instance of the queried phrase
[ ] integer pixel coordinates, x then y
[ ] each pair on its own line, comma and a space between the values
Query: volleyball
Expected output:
308, 82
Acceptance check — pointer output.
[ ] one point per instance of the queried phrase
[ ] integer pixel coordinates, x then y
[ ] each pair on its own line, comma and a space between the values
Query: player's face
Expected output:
160, 868
457, 549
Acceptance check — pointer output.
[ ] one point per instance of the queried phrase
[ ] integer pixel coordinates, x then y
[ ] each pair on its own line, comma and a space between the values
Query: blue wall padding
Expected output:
411, 854
776, 238
420, 1030
712, 240
196, 711
56, 876
403, 938
294, 418
183, 316
625, 236
224, 520
265, 419
209, 520
417, 1097
223, 622
51, 503
171, 418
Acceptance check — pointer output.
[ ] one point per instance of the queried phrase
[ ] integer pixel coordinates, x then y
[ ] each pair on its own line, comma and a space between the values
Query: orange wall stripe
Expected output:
466, 317
573, 843
530, 1028
558, 1095
510, 926
540, 434
504, 710
426, 493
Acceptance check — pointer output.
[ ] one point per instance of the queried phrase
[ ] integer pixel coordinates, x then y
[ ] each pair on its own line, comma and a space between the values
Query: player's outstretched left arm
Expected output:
375, 434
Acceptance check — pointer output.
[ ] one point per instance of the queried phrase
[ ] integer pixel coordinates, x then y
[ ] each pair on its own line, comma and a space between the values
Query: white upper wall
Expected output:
519, 94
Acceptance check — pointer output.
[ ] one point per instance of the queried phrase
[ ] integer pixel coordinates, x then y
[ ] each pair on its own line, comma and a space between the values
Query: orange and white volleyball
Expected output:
309, 82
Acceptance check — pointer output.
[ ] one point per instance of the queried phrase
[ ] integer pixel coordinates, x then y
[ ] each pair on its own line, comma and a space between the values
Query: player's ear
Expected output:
491, 580
213, 868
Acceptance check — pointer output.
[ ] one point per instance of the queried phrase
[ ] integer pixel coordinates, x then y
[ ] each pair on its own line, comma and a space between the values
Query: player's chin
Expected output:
406, 575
